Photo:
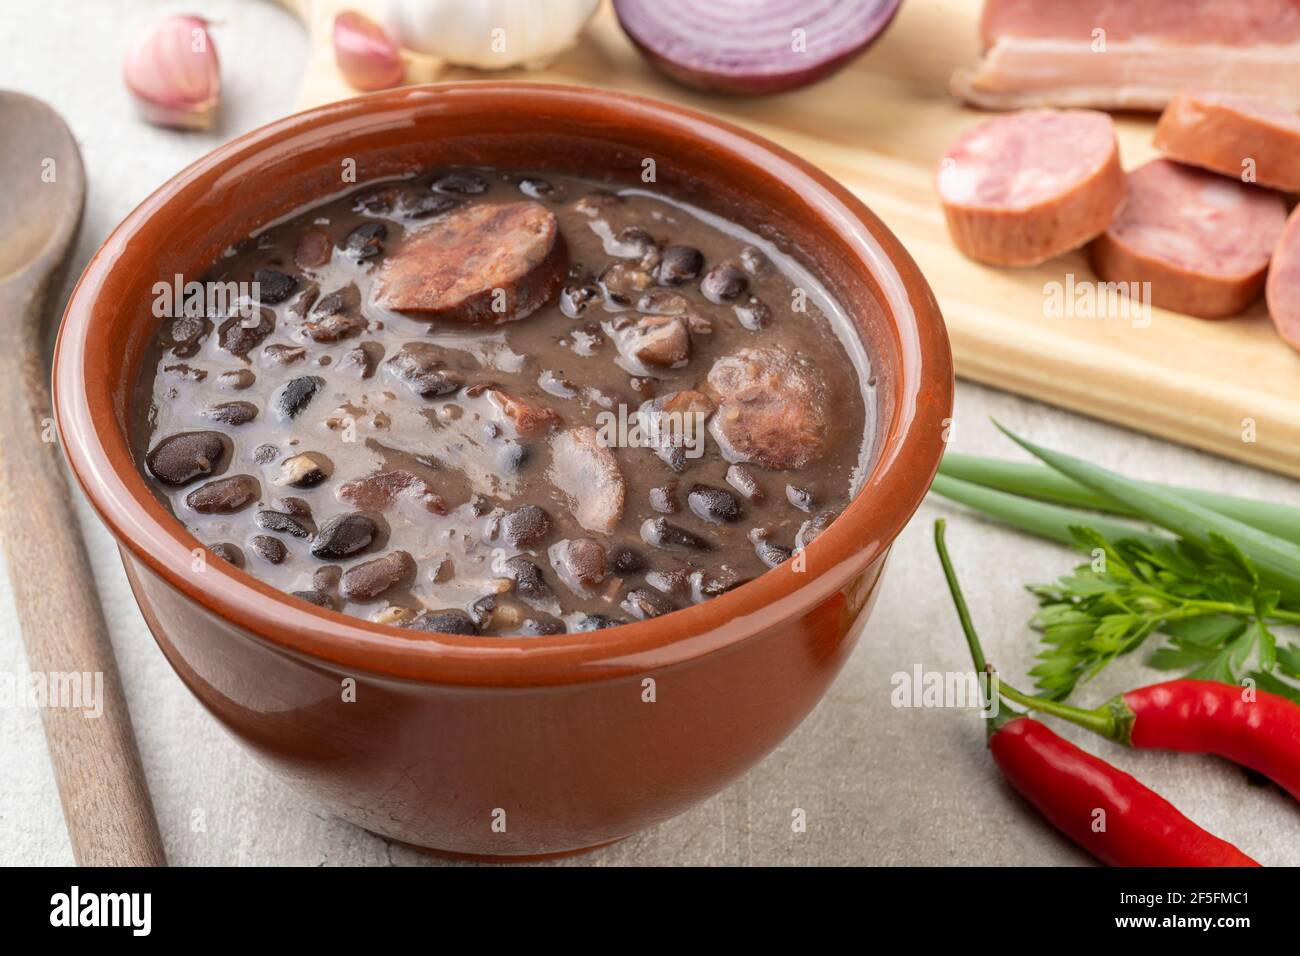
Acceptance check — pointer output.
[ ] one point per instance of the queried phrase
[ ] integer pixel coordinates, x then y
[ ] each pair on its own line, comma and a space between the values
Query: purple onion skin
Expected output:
753, 84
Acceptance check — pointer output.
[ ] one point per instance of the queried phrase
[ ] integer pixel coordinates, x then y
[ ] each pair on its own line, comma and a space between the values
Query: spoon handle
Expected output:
106, 803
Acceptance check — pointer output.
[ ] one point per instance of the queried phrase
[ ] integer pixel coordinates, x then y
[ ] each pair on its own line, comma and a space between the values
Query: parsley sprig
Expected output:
1207, 602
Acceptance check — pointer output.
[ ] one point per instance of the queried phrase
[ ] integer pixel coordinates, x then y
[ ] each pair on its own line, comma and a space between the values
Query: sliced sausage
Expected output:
391, 489
529, 419
1023, 188
771, 408
587, 474
480, 263
1202, 241
1283, 289
1233, 136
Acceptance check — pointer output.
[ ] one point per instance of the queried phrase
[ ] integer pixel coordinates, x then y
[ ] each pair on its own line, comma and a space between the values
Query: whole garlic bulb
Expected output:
489, 34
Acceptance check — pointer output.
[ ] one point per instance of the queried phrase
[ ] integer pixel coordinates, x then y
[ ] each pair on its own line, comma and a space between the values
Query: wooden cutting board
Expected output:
879, 126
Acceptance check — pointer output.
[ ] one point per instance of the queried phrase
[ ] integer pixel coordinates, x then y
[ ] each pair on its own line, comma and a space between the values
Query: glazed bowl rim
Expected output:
905, 459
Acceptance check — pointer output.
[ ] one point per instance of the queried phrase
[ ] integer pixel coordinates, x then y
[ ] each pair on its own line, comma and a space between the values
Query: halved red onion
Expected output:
752, 46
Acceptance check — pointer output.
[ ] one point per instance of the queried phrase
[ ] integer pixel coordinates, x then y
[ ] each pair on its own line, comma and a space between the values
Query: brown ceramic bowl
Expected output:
483, 745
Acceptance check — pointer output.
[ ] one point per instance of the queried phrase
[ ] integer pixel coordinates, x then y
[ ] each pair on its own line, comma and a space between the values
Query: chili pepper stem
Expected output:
995, 722
1112, 720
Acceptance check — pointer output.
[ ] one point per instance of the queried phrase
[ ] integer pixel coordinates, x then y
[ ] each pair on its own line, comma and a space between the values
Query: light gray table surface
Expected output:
879, 784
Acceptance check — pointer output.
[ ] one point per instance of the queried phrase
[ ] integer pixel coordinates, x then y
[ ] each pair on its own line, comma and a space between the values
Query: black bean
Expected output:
336, 316
295, 396
327, 578
269, 549
597, 622
460, 183
483, 610
181, 458
366, 241
724, 282
680, 264
273, 287
344, 535
186, 373
663, 498
265, 454
643, 604
525, 526
360, 361
674, 456
743, 480
306, 470
529, 582
574, 299
378, 201
801, 498
229, 553
280, 354
754, 314
633, 242
715, 505
769, 553
369, 579
513, 457
626, 561
239, 335
231, 413
426, 205
419, 366
541, 626
236, 380
442, 622
225, 495
315, 597
706, 584
536, 188
294, 506
282, 523
187, 334
811, 529
659, 533
755, 262
670, 581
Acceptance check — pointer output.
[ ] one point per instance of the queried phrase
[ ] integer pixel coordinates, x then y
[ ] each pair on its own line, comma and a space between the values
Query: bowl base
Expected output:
456, 857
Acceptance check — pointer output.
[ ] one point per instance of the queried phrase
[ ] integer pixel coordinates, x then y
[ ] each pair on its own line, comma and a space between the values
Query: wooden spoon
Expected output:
106, 804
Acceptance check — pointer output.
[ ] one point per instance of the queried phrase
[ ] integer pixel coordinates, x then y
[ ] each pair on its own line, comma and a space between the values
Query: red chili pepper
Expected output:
1253, 728
1106, 811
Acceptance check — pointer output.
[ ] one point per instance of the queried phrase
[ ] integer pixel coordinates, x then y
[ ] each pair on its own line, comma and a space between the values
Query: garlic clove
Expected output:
173, 73
365, 55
